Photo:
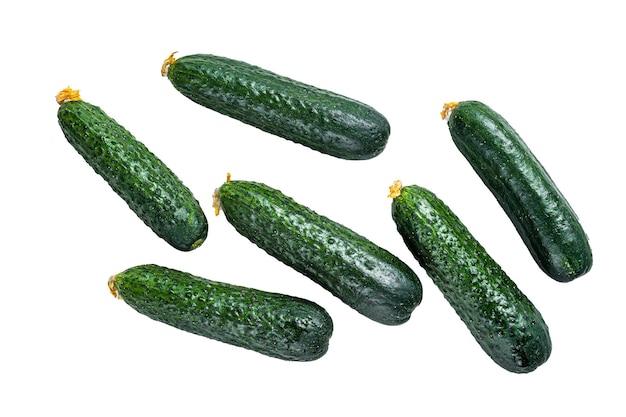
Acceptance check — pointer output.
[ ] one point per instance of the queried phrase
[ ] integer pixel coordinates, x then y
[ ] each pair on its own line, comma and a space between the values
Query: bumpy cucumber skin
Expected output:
140, 178
272, 324
364, 276
319, 119
500, 317
539, 211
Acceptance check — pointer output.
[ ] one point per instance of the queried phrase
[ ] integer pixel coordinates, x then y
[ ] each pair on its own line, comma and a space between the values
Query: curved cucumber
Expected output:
500, 317
543, 218
273, 324
147, 185
319, 119
363, 275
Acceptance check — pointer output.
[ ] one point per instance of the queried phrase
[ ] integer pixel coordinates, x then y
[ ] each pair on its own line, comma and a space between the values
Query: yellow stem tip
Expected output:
447, 109
67, 94
166, 64
395, 188
112, 287
216, 196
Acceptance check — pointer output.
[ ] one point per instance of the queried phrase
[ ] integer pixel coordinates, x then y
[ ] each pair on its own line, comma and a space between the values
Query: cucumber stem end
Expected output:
166, 64
447, 109
395, 188
113, 288
197, 244
216, 196
216, 201
67, 94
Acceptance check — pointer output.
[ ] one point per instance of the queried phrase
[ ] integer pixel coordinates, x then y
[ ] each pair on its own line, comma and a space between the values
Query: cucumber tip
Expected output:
395, 188
113, 288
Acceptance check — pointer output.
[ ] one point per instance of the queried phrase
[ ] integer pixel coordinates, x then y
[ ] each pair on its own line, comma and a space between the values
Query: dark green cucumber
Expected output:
539, 211
363, 275
276, 325
319, 119
147, 185
500, 317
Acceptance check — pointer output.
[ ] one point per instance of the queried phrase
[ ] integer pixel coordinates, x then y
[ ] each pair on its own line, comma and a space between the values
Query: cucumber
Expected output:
139, 177
363, 275
276, 325
538, 210
319, 119
501, 318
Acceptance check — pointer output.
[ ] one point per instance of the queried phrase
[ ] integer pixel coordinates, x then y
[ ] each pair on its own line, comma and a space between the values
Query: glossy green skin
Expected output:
543, 218
319, 119
147, 185
363, 275
500, 317
272, 324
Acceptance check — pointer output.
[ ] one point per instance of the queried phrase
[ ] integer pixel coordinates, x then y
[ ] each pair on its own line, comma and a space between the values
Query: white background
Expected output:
554, 70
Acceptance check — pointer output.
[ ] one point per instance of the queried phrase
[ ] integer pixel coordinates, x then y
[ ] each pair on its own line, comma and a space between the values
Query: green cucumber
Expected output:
272, 324
140, 178
319, 119
538, 210
501, 318
363, 275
